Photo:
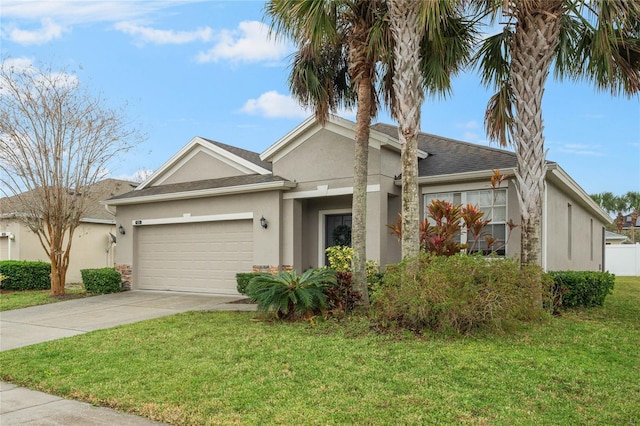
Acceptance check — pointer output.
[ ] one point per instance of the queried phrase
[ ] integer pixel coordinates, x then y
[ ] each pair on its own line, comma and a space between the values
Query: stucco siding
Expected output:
325, 156
201, 166
573, 235
266, 250
88, 249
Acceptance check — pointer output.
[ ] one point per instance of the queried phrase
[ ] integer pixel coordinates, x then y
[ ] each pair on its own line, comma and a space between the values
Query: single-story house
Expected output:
93, 243
613, 238
213, 210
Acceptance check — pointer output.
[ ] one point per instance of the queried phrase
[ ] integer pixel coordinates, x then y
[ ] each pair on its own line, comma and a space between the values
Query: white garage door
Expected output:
200, 257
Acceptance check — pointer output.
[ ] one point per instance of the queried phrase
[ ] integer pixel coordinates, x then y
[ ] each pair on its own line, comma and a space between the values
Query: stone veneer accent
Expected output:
126, 274
271, 269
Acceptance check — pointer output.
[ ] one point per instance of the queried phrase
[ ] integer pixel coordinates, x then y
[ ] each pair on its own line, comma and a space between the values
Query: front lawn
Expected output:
23, 299
227, 368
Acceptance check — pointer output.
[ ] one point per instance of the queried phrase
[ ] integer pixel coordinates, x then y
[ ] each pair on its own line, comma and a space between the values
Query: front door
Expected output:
337, 231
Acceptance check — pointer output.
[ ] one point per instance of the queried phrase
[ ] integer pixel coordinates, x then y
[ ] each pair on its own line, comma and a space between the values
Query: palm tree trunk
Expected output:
535, 39
361, 69
407, 83
359, 203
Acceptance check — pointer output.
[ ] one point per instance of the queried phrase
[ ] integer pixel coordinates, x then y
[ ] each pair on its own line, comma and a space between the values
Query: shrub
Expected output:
101, 281
460, 293
25, 275
340, 296
341, 257
289, 294
581, 288
243, 278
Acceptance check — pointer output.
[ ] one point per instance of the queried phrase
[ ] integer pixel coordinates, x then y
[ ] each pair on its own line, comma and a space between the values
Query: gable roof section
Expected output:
203, 188
449, 156
246, 162
335, 124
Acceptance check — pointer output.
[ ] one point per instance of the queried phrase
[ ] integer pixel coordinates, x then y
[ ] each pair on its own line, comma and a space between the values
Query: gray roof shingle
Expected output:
251, 156
448, 156
200, 185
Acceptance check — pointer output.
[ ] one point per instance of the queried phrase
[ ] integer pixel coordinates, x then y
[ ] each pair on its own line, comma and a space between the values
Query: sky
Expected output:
208, 68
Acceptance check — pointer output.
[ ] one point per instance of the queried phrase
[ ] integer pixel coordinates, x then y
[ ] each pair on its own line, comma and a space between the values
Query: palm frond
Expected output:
499, 116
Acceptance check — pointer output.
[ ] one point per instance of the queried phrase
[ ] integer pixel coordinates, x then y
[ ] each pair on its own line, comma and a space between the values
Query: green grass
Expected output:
228, 368
23, 299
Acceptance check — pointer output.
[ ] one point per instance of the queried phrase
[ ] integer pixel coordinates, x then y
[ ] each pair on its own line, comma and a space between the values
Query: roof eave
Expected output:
211, 192
459, 177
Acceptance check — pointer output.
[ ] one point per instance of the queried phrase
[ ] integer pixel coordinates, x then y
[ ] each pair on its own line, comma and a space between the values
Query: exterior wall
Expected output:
201, 166
88, 249
311, 226
266, 250
571, 244
332, 156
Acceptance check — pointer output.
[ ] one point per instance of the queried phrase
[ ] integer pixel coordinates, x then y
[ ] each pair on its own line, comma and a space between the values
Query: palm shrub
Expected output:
289, 294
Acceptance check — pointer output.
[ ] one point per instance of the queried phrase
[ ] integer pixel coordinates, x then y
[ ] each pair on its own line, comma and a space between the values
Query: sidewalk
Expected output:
20, 406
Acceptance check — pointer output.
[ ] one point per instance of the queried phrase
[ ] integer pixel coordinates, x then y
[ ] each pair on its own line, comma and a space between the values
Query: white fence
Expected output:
623, 259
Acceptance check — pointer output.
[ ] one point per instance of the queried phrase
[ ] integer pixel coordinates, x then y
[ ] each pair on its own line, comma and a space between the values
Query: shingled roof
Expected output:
198, 185
449, 156
251, 156
97, 192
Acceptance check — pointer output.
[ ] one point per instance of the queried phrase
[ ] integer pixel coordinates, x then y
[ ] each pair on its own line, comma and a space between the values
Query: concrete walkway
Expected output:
24, 327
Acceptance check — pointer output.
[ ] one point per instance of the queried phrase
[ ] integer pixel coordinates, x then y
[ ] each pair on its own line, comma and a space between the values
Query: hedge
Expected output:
101, 281
243, 278
25, 275
581, 288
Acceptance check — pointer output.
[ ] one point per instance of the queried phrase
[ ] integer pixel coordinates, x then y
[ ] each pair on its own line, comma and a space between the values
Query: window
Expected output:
591, 238
569, 233
493, 203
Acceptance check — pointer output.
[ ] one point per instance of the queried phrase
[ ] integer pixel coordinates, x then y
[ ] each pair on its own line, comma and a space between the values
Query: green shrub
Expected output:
101, 281
460, 293
243, 278
25, 275
289, 294
341, 297
581, 288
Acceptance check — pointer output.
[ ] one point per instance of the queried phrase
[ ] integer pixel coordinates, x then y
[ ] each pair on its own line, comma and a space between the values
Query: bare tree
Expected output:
56, 140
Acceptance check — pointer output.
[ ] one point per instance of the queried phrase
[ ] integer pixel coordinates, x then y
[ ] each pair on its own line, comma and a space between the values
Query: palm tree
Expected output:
633, 204
345, 55
615, 205
339, 43
432, 43
595, 40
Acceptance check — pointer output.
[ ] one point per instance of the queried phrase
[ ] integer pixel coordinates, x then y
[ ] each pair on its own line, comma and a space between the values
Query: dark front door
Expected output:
337, 231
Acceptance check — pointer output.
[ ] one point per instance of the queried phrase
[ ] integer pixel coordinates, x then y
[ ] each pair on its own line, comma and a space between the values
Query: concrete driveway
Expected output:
23, 327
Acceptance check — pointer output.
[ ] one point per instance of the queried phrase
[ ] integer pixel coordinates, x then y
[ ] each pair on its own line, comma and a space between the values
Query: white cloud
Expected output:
274, 105
47, 32
82, 11
248, 43
151, 35
471, 124
581, 149
138, 176
19, 64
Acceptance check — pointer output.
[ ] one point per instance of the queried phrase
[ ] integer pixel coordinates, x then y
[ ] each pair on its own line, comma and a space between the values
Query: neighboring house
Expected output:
612, 238
92, 246
214, 210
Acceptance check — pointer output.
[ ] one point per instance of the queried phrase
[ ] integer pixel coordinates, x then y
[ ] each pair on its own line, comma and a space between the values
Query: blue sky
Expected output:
207, 68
